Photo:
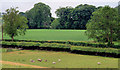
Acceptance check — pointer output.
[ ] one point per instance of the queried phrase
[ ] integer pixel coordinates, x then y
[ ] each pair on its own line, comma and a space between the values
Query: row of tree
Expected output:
74, 18
39, 17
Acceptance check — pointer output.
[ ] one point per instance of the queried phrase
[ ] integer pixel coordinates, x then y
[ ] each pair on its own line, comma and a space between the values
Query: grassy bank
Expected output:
68, 60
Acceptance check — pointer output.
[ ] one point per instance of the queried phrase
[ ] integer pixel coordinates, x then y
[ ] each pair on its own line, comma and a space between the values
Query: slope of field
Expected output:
49, 34
68, 60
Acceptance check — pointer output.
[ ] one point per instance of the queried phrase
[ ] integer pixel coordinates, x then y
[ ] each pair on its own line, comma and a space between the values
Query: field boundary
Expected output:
70, 42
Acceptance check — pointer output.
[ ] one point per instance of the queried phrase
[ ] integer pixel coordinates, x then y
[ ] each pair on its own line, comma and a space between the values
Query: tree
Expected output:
75, 18
81, 14
14, 24
64, 15
55, 24
39, 16
103, 25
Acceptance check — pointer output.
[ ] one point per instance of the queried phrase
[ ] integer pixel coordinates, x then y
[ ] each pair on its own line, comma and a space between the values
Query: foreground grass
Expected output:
68, 60
12, 66
50, 34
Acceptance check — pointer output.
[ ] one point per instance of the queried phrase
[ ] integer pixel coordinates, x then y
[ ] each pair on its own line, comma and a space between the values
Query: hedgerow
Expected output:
75, 43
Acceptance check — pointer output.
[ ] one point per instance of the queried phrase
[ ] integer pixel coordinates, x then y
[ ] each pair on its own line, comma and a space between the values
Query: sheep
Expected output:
32, 60
99, 63
59, 60
40, 60
54, 62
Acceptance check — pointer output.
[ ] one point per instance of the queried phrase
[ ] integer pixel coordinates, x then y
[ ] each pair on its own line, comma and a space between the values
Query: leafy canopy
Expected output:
14, 24
103, 25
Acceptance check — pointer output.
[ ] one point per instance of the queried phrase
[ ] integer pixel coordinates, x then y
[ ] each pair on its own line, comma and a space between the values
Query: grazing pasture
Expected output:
58, 59
50, 34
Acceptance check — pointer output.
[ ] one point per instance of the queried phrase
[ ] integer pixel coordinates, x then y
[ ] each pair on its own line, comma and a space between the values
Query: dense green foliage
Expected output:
55, 24
104, 25
75, 18
39, 16
98, 50
69, 18
14, 24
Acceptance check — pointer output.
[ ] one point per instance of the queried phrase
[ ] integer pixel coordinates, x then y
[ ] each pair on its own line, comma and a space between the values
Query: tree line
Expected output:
39, 17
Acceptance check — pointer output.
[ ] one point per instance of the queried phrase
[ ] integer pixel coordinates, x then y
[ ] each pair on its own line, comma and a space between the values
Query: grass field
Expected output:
49, 34
68, 60
12, 66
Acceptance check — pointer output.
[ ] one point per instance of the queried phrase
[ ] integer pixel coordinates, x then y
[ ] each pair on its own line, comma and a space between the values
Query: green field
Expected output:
68, 60
49, 34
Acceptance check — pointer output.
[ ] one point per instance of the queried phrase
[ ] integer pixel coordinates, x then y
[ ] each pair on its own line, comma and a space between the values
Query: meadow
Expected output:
50, 34
68, 60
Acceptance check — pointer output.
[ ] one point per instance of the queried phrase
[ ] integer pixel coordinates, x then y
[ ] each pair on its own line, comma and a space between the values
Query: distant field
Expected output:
49, 34
68, 60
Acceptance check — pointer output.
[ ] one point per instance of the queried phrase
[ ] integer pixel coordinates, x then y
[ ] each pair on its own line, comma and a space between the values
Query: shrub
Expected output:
55, 45
91, 49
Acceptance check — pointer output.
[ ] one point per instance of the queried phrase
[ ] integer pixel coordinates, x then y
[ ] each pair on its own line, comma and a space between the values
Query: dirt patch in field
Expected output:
20, 64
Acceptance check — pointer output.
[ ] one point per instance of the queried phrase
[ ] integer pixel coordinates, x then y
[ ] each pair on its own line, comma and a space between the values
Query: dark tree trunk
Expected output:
111, 32
12, 38
108, 37
2, 32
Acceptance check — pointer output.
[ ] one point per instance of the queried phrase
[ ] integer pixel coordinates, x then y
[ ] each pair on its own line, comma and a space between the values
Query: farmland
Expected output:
68, 60
50, 34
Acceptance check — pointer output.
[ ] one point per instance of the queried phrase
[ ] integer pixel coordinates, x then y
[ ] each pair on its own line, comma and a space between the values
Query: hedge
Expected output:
65, 47
35, 45
75, 43
97, 50
55, 45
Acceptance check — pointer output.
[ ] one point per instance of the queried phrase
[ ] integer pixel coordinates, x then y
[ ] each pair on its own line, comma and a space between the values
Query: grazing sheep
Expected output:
32, 61
54, 62
59, 60
40, 60
99, 63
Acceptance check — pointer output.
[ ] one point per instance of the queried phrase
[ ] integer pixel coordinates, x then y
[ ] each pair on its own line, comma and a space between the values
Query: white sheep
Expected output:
40, 60
54, 62
99, 63
59, 60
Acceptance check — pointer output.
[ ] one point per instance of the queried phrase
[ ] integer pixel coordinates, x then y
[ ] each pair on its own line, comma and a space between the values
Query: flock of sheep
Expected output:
40, 60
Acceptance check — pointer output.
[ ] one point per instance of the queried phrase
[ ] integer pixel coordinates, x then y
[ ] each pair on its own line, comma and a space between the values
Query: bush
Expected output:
91, 49
55, 45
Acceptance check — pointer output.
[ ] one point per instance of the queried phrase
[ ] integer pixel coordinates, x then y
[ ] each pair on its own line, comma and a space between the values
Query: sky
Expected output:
25, 5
